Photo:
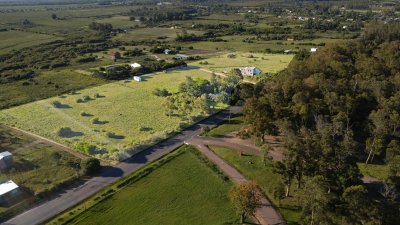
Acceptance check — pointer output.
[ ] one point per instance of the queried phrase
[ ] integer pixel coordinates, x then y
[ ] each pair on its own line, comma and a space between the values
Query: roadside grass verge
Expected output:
227, 127
176, 189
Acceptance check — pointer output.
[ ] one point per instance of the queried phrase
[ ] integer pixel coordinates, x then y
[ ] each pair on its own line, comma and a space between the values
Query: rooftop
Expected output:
7, 186
5, 154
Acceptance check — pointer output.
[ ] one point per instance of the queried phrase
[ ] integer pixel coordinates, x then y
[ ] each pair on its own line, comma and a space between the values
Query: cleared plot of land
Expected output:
267, 63
253, 168
37, 166
45, 85
182, 191
115, 116
14, 40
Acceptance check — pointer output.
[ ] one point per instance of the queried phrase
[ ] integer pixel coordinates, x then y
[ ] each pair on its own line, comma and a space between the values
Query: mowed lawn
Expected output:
182, 191
267, 63
128, 110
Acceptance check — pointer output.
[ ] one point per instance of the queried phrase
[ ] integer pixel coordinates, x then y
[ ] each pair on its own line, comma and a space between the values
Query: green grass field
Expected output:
53, 82
267, 63
15, 40
263, 175
379, 172
37, 166
227, 127
128, 109
181, 191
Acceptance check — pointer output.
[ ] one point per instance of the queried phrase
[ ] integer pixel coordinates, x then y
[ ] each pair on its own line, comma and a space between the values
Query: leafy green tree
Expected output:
314, 200
90, 166
359, 207
246, 198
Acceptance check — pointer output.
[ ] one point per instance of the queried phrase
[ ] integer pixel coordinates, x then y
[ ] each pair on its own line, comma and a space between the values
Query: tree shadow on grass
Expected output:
69, 133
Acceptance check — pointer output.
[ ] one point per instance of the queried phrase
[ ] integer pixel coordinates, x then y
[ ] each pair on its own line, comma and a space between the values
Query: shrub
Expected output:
90, 166
79, 100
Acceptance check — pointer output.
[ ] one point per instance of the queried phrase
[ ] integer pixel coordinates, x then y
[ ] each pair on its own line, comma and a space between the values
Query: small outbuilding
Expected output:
137, 78
135, 65
167, 51
181, 56
8, 190
6, 160
313, 49
250, 71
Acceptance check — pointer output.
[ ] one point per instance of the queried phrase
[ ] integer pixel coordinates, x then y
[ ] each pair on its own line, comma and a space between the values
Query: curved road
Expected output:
266, 214
109, 174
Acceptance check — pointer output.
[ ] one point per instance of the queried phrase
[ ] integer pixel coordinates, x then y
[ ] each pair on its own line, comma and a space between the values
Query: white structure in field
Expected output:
167, 51
313, 49
8, 190
181, 56
6, 160
137, 78
135, 65
250, 71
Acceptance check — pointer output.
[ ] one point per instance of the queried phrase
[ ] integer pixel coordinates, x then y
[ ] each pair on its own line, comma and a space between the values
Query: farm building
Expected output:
137, 78
6, 160
115, 56
250, 71
135, 65
8, 190
167, 51
181, 56
313, 50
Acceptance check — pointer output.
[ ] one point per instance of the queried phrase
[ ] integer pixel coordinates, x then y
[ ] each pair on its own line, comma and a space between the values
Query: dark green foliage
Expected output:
102, 27
161, 92
336, 106
134, 52
90, 166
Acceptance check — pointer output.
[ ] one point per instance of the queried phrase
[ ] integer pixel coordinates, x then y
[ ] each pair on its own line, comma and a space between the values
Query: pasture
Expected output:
180, 191
53, 82
267, 63
153, 33
119, 116
15, 40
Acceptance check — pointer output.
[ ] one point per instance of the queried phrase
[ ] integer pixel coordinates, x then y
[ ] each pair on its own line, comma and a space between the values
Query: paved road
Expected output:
70, 198
266, 214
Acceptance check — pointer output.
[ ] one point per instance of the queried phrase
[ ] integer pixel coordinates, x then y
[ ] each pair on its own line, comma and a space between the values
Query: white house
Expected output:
6, 160
167, 51
250, 71
8, 190
137, 78
313, 49
135, 65
181, 56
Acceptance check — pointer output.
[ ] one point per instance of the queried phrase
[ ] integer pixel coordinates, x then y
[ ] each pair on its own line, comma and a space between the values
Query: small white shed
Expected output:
6, 160
137, 78
313, 49
135, 65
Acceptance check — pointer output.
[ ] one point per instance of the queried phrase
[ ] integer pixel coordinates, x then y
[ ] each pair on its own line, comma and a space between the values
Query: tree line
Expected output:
336, 107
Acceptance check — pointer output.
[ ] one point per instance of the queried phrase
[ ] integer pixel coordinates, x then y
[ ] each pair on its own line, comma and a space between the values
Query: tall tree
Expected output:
246, 198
